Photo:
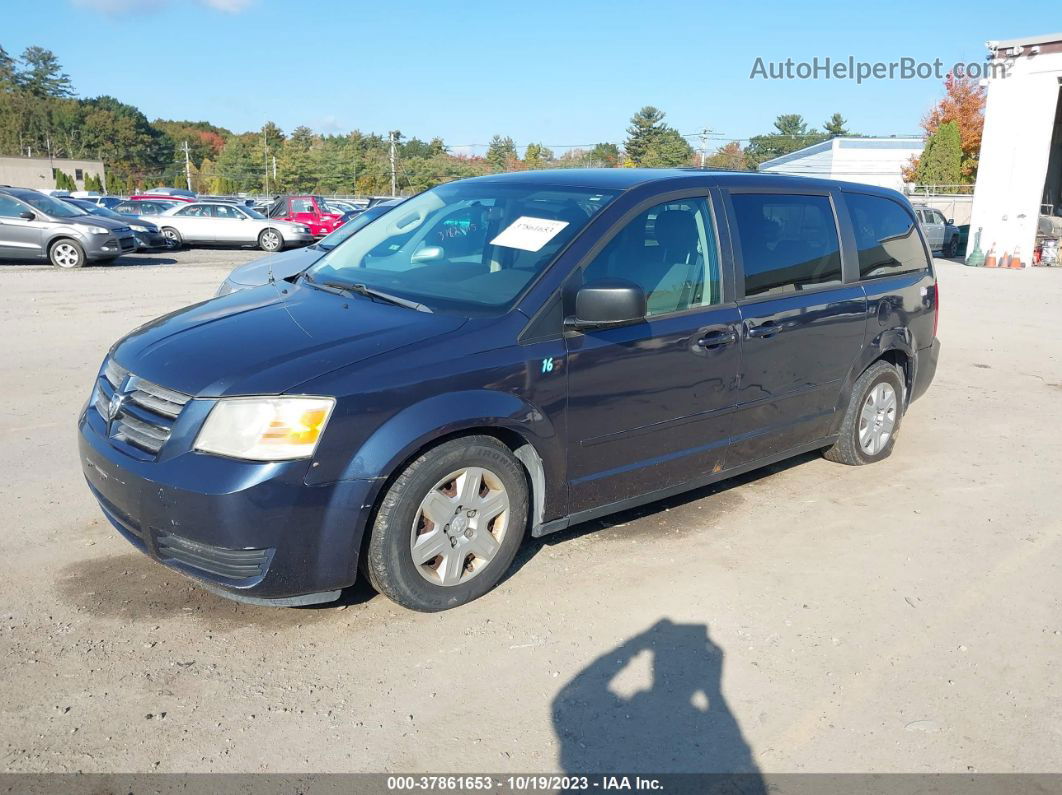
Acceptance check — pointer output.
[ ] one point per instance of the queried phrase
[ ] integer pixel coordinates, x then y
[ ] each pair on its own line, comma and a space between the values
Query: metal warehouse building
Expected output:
1018, 199
872, 161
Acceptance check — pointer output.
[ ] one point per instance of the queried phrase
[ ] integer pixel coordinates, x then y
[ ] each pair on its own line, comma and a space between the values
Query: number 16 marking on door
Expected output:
547, 365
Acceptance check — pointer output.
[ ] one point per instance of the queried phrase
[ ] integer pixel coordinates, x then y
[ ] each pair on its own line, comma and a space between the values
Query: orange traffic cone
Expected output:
1015, 259
990, 257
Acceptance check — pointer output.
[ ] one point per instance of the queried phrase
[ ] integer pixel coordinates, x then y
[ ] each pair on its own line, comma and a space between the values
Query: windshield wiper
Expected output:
369, 292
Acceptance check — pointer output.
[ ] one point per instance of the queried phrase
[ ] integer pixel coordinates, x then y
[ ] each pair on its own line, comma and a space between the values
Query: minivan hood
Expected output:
285, 264
262, 341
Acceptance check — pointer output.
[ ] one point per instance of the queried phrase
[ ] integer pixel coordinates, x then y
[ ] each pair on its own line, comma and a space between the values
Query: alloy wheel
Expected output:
65, 255
877, 418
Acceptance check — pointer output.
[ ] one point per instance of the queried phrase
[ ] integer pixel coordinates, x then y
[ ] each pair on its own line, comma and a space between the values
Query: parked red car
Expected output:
311, 211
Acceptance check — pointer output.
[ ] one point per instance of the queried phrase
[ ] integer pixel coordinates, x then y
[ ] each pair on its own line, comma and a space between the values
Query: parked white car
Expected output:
225, 224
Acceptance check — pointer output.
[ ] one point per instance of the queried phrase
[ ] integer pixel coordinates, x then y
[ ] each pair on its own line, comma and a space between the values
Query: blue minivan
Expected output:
504, 356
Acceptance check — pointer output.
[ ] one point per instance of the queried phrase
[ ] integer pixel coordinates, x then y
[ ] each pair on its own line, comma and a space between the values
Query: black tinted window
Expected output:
886, 236
788, 242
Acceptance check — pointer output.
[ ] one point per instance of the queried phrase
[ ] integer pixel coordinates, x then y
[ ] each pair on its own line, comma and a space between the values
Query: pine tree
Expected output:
501, 153
836, 125
941, 160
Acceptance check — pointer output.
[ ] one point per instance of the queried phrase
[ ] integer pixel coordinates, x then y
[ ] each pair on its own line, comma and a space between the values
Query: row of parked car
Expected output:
70, 231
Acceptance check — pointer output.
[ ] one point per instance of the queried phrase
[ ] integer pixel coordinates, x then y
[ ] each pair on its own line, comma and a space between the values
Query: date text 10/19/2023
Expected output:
529, 783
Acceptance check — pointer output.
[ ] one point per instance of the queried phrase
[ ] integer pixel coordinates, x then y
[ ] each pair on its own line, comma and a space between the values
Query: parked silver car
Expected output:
35, 226
224, 224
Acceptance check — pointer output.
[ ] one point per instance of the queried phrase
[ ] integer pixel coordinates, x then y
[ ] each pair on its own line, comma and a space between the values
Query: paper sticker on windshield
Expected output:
529, 234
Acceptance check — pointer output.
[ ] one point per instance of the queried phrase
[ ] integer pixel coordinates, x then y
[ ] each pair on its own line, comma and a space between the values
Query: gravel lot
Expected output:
899, 617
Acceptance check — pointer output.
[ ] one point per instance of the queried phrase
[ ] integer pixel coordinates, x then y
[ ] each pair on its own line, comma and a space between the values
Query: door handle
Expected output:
767, 328
717, 338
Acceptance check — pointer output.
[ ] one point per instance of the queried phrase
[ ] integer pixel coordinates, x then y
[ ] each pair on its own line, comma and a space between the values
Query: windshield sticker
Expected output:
529, 234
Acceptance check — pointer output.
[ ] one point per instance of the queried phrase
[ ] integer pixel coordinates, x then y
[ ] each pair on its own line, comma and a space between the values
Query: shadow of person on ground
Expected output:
607, 721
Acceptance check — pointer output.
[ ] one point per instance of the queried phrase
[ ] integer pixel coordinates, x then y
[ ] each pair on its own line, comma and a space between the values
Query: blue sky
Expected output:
561, 73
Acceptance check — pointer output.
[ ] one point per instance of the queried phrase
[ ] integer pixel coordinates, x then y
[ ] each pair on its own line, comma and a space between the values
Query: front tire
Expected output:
449, 526
872, 419
270, 240
66, 254
950, 248
173, 238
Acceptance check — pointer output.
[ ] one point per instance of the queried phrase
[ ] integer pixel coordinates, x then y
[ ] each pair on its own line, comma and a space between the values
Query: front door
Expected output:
231, 225
933, 224
20, 238
648, 403
802, 325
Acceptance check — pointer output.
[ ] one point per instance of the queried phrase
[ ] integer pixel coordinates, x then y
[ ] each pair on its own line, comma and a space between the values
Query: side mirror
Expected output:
428, 254
951, 222
608, 302
29, 216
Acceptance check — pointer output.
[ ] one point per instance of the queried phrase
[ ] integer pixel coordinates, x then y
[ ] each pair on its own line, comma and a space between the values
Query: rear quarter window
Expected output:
886, 236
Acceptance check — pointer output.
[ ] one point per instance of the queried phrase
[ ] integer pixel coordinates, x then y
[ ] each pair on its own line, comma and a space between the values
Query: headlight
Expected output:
265, 429
137, 228
225, 288
99, 230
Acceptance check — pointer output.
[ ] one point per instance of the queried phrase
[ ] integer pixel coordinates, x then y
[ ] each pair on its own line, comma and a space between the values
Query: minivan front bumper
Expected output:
252, 531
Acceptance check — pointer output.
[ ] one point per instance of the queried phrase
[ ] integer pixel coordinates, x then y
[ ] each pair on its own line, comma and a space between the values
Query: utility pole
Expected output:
265, 154
391, 135
187, 167
704, 144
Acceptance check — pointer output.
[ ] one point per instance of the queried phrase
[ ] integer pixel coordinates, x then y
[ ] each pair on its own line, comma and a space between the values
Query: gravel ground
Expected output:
810, 617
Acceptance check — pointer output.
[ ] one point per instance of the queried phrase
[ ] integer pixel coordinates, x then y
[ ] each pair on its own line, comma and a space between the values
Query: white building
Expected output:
1019, 177
872, 161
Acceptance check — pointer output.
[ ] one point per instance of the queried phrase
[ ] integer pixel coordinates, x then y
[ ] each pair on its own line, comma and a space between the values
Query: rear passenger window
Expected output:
886, 236
788, 243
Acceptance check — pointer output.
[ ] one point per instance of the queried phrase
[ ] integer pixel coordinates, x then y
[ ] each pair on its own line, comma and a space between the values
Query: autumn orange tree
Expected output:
964, 104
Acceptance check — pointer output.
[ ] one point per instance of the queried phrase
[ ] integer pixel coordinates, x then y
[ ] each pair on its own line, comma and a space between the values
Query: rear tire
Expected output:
872, 419
66, 254
270, 240
449, 526
173, 238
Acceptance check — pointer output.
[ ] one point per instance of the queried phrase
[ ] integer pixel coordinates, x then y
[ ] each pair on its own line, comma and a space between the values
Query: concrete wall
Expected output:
36, 172
1019, 119
956, 205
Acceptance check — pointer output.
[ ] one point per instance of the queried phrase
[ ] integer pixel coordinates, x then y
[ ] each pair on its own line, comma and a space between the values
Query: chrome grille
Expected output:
143, 413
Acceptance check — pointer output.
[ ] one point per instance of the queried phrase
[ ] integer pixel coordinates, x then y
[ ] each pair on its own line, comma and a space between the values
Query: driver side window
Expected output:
670, 252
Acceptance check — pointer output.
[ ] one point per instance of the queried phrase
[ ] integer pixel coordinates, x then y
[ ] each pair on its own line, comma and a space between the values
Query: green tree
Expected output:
42, 75
235, 169
836, 125
63, 181
93, 182
296, 171
8, 71
652, 143
941, 160
605, 155
537, 156
646, 126
501, 153
730, 157
791, 133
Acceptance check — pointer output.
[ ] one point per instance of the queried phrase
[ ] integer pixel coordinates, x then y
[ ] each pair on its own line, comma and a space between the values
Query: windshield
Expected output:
52, 207
329, 242
466, 246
